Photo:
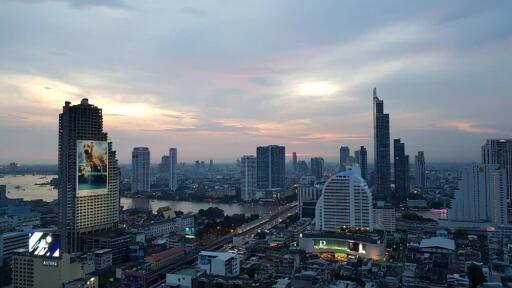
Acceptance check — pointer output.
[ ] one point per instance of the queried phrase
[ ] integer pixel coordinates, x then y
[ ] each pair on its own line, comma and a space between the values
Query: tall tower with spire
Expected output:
381, 154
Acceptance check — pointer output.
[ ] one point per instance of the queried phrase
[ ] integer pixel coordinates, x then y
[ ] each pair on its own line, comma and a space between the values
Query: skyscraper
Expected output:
419, 167
317, 167
294, 161
344, 157
381, 147
499, 151
248, 178
363, 162
481, 195
141, 174
271, 166
346, 201
164, 165
173, 163
401, 165
88, 176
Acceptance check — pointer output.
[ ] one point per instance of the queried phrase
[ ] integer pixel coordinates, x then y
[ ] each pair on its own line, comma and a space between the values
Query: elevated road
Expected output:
157, 277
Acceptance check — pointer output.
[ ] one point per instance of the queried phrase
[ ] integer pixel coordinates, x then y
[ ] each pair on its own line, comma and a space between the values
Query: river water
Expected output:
23, 186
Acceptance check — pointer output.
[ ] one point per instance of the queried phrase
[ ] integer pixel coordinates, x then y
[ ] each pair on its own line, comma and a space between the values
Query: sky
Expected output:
218, 78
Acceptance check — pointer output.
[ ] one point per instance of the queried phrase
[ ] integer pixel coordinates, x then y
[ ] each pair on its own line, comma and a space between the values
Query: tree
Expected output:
475, 275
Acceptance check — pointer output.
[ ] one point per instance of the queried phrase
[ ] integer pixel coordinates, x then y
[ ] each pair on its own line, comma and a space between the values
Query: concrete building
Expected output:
270, 166
249, 185
381, 140
384, 217
419, 170
294, 161
344, 158
317, 167
363, 162
481, 196
219, 263
3, 193
346, 201
164, 165
10, 242
307, 197
102, 258
32, 271
183, 278
88, 176
401, 165
141, 171
116, 240
173, 163
499, 151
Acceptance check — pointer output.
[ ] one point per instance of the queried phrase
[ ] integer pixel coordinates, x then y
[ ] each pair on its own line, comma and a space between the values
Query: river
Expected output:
23, 186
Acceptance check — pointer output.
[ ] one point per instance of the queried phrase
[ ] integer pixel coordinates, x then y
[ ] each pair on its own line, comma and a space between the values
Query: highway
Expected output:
156, 278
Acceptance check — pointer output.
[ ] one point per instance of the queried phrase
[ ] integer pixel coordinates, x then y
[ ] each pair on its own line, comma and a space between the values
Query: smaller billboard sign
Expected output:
44, 244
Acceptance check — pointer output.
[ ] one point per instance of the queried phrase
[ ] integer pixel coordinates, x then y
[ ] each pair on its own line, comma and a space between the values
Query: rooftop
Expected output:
440, 242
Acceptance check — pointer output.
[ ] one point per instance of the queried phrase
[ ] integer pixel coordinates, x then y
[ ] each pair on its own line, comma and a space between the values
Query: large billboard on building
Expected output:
339, 245
44, 244
92, 166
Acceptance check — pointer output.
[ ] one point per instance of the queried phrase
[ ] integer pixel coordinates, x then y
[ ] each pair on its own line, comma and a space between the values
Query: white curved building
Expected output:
346, 201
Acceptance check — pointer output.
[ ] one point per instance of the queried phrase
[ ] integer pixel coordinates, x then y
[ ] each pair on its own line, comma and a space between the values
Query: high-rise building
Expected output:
141, 174
211, 164
499, 151
419, 170
173, 163
346, 201
384, 216
317, 167
381, 147
363, 162
88, 176
401, 165
307, 197
344, 157
294, 161
197, 164
164, 165
271, 166
248, 178
481, 195
302, 168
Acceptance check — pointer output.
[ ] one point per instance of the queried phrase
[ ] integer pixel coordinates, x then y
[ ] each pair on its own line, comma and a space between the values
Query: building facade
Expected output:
419, 170
381, 147
88, 175
173, 163
270, 166
249, 188
401, 165
481, 196
363, 162
344, 157
141, 173
317, 167
346, 201
499, 151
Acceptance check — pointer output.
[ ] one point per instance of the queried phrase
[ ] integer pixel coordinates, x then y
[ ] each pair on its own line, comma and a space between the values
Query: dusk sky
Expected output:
218, 78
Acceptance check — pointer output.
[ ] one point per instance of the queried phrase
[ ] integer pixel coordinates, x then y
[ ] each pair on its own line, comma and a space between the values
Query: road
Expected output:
156, 278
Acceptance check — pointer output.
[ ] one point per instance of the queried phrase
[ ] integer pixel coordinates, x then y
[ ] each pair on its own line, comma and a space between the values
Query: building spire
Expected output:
374, 92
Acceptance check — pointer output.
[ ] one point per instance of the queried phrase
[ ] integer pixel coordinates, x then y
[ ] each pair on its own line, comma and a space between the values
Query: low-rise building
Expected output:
218, 263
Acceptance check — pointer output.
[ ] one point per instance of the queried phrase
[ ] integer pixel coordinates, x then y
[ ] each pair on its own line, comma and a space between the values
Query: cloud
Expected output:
468, 127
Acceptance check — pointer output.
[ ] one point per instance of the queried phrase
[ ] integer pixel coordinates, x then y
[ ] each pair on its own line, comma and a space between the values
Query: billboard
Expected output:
92, 166
44, 244
339, 245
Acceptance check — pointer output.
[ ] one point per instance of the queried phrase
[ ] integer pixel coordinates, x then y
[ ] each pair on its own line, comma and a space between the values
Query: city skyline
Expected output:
295, 88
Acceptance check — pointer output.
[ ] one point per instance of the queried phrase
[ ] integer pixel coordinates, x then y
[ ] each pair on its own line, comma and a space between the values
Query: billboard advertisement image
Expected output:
92, 165
44, 244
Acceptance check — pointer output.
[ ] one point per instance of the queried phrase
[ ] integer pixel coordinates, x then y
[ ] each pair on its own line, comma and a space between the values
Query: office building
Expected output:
363, 162
10, 242
419, 170
270, 166
307, 197
499, 151
317, 167
384, 217
481, 195
401, 165
294, 161
88, 176
249, 179
219, 263
29, 271
173, 163
344, 158
381, 141
346, 201
164, 165
302, 168
141, 174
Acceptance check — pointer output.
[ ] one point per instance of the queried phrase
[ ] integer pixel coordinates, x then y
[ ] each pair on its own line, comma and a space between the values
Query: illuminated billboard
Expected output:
339, 245
92, 167
44, 244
